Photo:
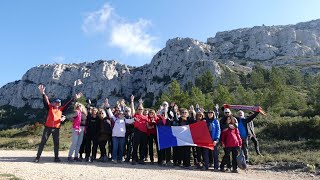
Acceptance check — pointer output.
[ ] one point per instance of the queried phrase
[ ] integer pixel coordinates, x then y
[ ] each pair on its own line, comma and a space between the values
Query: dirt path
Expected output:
20, 163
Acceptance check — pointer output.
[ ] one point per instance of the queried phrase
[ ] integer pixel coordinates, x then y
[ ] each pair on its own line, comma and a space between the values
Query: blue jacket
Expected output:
214, 128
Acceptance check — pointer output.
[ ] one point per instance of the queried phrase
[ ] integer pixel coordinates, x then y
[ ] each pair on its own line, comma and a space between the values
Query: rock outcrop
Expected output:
182, 59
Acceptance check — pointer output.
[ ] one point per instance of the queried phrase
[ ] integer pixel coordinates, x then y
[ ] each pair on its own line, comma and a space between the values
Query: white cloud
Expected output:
131, 37
97, 21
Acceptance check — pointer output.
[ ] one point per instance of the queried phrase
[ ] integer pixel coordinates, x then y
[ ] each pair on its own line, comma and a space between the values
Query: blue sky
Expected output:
38, 32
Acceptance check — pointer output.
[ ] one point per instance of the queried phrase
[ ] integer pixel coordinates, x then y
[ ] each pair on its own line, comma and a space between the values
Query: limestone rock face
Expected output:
182, 59
268, 42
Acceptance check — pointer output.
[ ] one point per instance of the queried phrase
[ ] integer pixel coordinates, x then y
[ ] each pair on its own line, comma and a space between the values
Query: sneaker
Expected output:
204, 168
36, 160
70, 159
77, 159
133, 162
88, 159
93, 159
216, 170
169, 163
120, 161
56, 159
222, 170
142, 162
234, 171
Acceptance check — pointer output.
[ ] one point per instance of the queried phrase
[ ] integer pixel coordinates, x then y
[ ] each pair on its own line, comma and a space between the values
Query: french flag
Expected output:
196, 134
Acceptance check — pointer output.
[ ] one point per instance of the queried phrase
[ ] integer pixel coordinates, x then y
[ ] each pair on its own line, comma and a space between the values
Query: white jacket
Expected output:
119, 128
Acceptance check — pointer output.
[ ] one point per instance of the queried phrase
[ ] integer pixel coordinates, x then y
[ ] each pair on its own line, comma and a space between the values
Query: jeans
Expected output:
215, 154
118, 145
45, 136
77, 137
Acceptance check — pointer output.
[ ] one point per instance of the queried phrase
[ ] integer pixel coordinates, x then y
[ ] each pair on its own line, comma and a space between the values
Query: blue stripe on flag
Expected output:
165, 137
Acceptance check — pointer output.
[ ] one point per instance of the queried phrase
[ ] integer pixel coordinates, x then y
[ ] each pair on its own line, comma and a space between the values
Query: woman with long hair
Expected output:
79, 117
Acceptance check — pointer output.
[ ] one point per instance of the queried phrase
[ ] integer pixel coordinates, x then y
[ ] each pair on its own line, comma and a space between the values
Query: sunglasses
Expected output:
226, 112
184, 112
210, 112
140, 109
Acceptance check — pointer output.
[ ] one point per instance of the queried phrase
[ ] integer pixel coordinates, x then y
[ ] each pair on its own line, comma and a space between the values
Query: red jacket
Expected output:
141, 123
151, 124
231, 138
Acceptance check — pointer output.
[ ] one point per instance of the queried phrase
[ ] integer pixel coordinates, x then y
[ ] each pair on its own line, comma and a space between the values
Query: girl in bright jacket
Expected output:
231, 143
77, 131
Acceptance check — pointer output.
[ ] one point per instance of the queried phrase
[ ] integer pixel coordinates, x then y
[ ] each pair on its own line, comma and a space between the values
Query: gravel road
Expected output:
20, 163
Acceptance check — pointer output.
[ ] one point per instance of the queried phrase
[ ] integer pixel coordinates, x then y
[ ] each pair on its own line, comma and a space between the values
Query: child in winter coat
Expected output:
231, 143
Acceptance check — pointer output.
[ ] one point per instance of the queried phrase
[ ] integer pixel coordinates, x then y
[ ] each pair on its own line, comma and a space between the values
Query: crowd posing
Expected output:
125, 134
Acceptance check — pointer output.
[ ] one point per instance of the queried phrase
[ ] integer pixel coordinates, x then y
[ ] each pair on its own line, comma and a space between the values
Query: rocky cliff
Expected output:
182, 59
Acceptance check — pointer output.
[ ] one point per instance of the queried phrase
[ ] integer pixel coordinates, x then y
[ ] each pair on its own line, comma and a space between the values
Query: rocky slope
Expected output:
182, 59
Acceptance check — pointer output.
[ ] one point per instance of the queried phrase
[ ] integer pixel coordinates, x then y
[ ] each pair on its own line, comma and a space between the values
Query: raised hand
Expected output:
132, 98
107, 102
79, 95
42, 89
140, 101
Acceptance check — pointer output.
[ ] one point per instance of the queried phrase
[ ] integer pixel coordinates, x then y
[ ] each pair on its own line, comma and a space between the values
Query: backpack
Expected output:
241, 161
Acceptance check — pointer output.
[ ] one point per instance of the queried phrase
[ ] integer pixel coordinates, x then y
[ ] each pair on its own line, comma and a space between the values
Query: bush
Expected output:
295, 128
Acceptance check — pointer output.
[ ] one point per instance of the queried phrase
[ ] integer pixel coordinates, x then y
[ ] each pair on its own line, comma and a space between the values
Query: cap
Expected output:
57, 101
227, 110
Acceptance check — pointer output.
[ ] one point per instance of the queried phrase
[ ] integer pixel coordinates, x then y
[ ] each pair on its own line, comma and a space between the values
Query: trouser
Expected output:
94, 146
110, 147
45, 136
256, 144
210, 156
164, 155
77, 136
215, 154
139, 140
83, 145
152, 138
244, 148
194, 154
176, 155
185, 155
102, 147
129, 146
117, 151
204, 153
226, 157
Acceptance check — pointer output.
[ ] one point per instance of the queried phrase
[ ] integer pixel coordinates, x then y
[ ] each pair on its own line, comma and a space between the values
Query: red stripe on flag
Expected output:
200, 135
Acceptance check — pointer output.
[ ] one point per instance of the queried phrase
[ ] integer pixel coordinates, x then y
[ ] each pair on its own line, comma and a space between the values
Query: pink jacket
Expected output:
77, 121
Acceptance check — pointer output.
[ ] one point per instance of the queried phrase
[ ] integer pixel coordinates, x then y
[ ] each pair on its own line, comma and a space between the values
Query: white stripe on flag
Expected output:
183, 135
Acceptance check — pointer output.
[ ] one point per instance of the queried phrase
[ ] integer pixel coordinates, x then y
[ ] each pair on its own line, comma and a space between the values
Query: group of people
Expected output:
128, 134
